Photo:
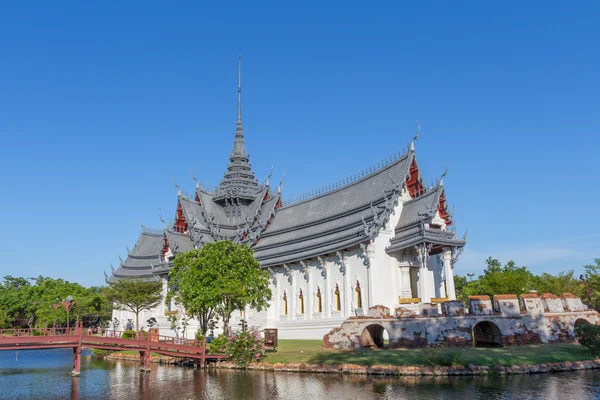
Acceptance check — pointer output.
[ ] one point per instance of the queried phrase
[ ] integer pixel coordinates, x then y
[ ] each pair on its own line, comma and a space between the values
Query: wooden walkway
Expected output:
78, 338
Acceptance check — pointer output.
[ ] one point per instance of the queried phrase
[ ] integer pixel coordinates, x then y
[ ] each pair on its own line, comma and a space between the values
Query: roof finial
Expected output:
239, 88
441, 183
281, 182
412, 144
177, 186
194, 178
268, 181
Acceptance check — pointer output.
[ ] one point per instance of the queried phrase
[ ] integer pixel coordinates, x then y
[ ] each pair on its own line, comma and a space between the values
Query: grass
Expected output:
309, 351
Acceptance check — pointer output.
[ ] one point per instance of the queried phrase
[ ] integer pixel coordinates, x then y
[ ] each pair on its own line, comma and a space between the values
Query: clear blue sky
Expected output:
100, 104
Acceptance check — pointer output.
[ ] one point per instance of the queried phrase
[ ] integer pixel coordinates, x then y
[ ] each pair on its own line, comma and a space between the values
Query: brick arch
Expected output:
580, 321
373, 335
487, 334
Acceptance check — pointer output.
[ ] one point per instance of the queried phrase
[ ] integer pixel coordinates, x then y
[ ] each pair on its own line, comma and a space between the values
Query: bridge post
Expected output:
144, 354
77, 351
203, 354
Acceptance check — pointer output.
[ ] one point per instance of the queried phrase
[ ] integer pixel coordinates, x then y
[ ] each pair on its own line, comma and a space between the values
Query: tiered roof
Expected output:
346, 214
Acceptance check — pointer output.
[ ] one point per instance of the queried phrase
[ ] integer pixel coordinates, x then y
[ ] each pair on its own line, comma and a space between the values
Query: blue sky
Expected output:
100, 104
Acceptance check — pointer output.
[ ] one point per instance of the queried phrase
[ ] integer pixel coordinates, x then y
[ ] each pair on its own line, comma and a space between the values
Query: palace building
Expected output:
381, 237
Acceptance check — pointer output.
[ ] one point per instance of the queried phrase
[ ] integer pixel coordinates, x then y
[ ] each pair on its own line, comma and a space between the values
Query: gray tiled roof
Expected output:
144, 255
422, 207
352, 213
332, 221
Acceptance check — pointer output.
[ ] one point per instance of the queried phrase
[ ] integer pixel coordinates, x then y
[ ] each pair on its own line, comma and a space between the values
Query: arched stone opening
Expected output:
581, 321
373, 336
487, 334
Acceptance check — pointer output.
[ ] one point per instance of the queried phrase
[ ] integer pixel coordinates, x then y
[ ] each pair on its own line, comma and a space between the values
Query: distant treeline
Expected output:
35, 302
510, 278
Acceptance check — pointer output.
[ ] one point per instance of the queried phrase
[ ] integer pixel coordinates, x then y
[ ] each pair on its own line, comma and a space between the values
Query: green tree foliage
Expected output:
498, 279
220, 278
510, 278
134, 295
35, 300
592, 283
589, 335
563, 282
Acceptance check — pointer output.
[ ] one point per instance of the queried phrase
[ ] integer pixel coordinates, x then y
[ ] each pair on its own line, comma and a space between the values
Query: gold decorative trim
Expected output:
171, 312
409, 301
439, 300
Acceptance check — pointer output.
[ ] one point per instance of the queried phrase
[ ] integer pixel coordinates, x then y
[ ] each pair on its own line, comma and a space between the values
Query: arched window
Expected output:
319, 303
284, 303
338, 302
301, 302
358, 296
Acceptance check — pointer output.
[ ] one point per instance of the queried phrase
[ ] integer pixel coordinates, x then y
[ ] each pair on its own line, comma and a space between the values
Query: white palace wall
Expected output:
380, 277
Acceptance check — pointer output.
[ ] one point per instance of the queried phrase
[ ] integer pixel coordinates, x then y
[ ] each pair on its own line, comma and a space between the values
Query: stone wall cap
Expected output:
481, 297
549, 296
505, 296
529, 296
568, 296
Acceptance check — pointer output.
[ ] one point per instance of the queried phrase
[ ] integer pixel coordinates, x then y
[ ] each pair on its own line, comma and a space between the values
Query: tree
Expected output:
459, 284
34, 300
134, 295
592, 282
563, 282
220, 278
497, 279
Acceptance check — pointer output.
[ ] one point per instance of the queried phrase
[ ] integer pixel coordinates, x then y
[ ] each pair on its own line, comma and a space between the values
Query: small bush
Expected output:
128, 334
589, 336
36, 333
433, 356
5, 326
101, 353
245, 347
218, 344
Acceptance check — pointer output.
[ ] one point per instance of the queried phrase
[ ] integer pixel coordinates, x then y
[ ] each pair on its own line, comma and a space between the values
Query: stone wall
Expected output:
527, 319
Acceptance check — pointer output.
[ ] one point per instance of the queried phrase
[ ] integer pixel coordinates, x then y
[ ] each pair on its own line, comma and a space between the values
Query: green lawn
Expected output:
309, 351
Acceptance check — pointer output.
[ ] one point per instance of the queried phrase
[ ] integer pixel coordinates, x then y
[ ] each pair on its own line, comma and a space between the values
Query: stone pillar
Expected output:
422, 284
292, 298
371, 258
406, 290
449, 275
309, 296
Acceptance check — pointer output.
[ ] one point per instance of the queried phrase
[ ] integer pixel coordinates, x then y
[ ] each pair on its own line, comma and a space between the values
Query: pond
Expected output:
45, 375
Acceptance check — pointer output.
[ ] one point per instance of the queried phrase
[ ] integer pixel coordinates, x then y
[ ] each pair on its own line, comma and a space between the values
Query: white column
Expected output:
449, 275
406, 290
422, 284
292, 298
309, 296
371, 258
326, 293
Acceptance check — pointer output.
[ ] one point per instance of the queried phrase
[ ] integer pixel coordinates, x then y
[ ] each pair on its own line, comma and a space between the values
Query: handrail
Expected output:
142, 339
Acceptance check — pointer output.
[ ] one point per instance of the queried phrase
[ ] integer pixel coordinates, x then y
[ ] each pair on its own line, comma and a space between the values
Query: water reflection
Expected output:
45, 375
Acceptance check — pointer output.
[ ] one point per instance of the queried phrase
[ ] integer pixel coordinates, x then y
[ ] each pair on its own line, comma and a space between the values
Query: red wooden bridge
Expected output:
78, 338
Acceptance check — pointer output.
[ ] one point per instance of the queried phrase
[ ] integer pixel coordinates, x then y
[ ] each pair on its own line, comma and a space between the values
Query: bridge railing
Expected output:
39, 332
143, 336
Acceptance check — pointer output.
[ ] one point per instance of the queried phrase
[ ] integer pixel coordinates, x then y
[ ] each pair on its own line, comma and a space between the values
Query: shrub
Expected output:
245, 347
36, 333
128, 334
5, 326
217, 345
433, 356
101, 353
589, 336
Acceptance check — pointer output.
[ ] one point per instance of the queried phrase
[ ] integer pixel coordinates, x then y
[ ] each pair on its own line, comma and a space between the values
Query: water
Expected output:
45, 375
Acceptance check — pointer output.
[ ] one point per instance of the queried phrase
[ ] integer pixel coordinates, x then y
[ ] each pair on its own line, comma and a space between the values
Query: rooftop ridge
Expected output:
352, 179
